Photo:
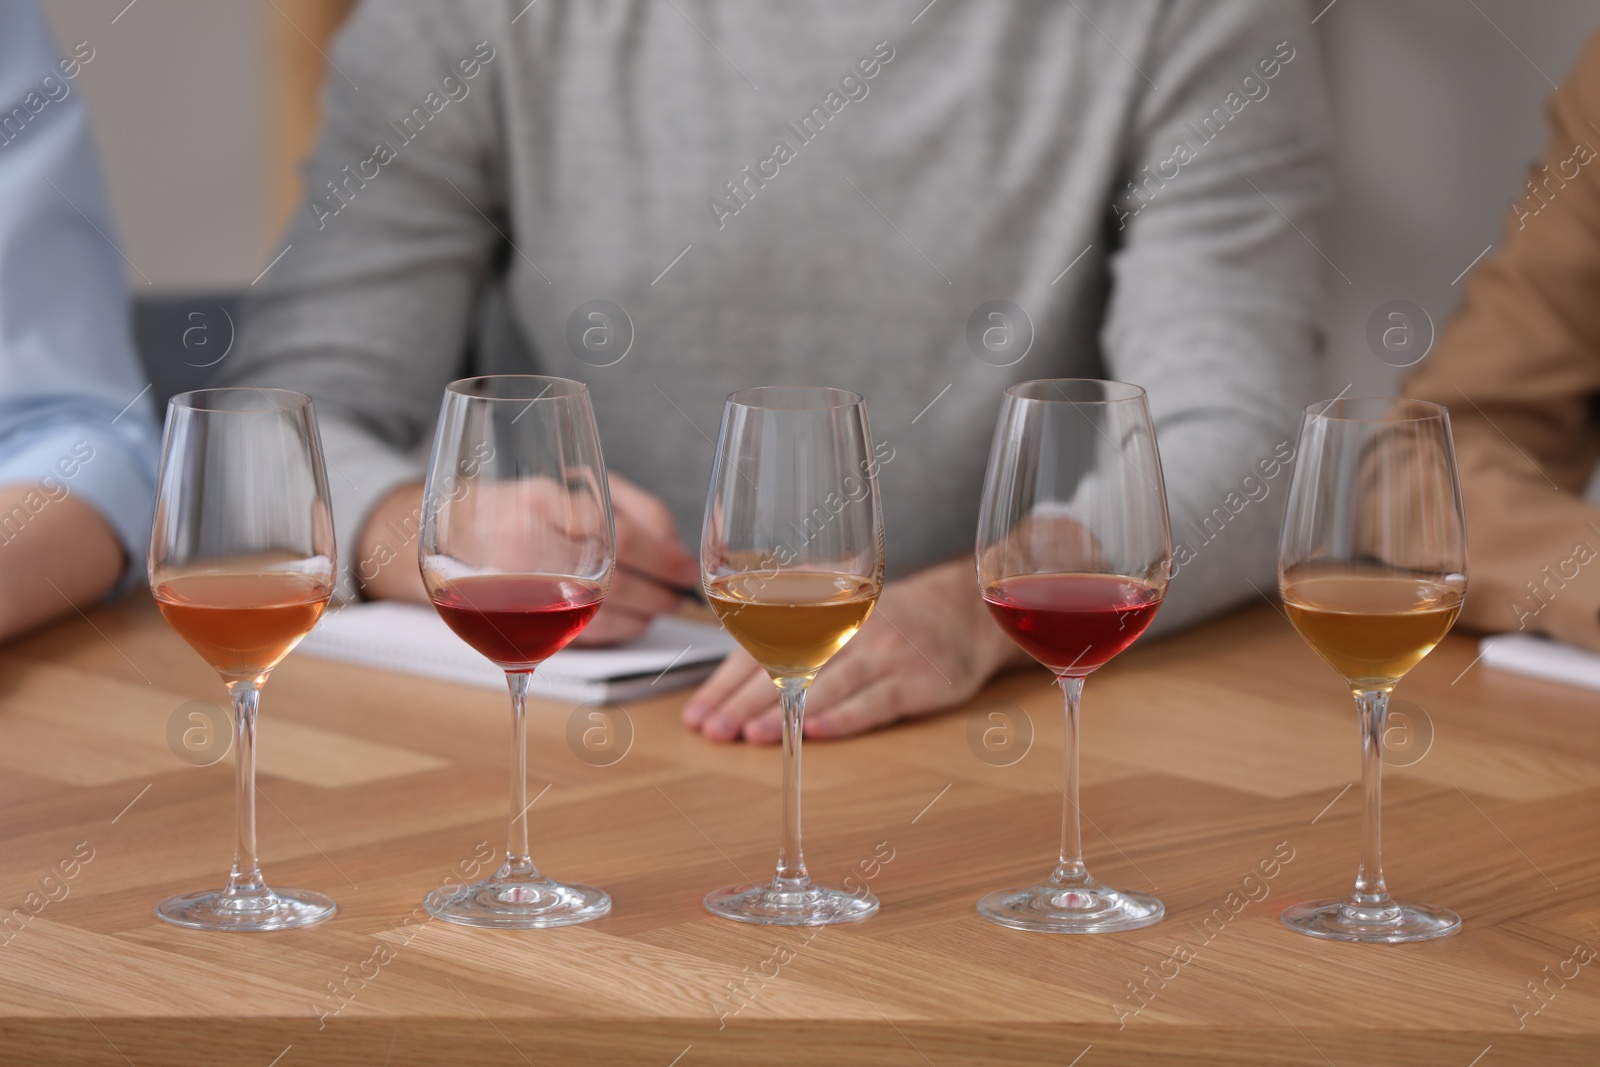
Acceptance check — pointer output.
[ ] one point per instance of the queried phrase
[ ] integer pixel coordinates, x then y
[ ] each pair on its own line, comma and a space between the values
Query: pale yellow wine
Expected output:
792, 622
1372, 629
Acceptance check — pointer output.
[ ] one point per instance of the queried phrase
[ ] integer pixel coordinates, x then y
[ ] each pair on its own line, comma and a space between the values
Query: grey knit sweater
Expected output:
924, 203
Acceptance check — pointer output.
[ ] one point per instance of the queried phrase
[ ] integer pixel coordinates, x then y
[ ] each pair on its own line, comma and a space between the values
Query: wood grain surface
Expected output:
1217, 774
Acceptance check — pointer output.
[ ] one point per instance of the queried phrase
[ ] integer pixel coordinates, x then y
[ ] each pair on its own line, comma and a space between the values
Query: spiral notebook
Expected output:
411, 639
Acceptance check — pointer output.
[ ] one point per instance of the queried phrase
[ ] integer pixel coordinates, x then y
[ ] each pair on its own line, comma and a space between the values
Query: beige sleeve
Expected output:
1519, 369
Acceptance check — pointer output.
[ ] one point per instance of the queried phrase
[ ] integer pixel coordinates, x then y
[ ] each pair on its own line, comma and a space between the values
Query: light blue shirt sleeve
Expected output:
75, 411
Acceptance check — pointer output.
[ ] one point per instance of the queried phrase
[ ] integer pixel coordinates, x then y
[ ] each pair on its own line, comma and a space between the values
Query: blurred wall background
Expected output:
202, 109
1439, 109
178, 96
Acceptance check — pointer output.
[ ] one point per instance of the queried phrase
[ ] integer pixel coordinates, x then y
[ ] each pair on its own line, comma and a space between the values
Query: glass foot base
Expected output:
1340, 920
1055, 909
277, 909
809, 906
512, 904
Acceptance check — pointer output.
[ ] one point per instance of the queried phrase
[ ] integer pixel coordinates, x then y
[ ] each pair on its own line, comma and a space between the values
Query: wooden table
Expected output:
1206, 756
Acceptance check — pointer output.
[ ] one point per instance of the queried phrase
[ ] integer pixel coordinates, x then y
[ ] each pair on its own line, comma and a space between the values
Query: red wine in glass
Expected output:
517, 620
1074, 555
1072, 623
517, 548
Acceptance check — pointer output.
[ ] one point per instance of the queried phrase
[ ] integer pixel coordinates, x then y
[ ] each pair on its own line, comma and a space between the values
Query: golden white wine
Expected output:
792, 622
1372, 629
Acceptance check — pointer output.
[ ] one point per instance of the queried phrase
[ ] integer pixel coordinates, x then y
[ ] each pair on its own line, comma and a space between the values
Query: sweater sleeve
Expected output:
367, 308
1519, 369
1216, 305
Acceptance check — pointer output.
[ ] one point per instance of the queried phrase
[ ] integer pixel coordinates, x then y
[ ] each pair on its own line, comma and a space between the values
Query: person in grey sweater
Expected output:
925, 203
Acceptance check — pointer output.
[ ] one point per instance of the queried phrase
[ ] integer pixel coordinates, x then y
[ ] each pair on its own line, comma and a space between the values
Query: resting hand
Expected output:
929, 645
653, 566
654, 569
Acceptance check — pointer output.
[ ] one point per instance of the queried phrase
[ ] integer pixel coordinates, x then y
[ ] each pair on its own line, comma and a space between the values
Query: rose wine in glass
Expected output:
242, 566
792, 560
1372, 567
1073, 557
242, 624
517, 549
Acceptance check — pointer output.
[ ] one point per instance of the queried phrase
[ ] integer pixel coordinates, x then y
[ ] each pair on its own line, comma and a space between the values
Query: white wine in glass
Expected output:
1372, 567
792, 561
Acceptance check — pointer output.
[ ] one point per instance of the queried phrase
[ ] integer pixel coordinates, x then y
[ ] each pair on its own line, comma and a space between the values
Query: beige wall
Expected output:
1438, 117
176, 91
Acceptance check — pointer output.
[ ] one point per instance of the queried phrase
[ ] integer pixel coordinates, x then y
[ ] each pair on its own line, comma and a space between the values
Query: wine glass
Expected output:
242, 566
1372, 567
517, 548
1074, 554
791, 558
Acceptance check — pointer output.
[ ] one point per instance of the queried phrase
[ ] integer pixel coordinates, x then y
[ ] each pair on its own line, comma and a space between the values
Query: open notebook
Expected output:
412, 639
1541, 657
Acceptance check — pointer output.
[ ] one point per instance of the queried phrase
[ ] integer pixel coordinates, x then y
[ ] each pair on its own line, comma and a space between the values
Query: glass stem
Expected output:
244, 881
519, 864
1070, 871
1371, 892
791, 860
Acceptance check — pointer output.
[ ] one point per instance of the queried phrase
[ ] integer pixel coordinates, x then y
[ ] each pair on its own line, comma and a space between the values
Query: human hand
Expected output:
60, 553
654, 570
653, 567
1046, 539
929, 645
